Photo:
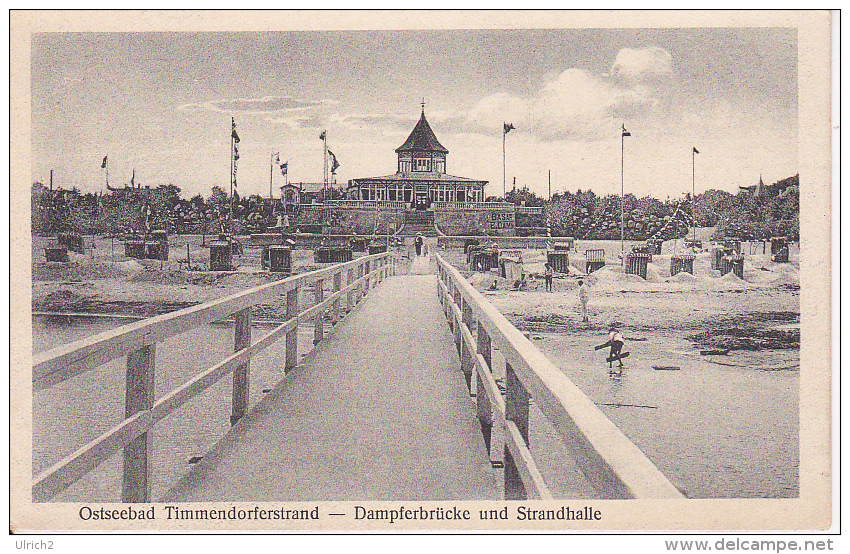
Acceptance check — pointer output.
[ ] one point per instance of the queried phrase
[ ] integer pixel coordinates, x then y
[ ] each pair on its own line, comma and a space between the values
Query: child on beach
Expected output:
548, 274
583, 296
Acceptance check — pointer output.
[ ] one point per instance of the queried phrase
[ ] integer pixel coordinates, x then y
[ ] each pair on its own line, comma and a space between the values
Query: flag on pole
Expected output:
284, 167
323, 135
695, 150
508, 127
233, 133
277, 157
334, 163
133, 178
103, 165
626, 133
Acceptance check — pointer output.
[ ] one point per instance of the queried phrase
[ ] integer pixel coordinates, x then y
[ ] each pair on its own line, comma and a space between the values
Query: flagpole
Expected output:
693, 193
232, 126
107, 172
271, 174
325, 160
622, 194
504, 164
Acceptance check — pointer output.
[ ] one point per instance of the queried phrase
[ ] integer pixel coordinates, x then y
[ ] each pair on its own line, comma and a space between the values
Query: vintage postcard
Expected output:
421, 271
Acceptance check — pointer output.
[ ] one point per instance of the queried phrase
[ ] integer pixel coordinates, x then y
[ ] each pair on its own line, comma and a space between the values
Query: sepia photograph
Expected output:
306, 272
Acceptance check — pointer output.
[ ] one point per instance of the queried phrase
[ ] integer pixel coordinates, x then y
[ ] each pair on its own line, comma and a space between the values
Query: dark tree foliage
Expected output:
775, 211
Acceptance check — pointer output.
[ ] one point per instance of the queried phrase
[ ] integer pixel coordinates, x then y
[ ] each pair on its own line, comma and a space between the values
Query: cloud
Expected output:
387, 123
645, 65
578, 105
265, 105
575, 105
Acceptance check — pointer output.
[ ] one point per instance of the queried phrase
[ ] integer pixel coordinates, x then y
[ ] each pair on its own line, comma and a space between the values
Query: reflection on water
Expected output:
68, 415
49, 331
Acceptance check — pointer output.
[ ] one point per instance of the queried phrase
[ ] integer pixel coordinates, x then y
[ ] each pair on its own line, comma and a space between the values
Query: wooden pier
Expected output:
390, 404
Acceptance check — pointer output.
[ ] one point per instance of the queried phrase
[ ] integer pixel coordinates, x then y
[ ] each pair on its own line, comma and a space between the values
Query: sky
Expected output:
160, 104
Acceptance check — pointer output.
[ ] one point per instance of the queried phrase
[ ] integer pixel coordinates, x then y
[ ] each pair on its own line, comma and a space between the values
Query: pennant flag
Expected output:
103, 165
284, 167
277, 158
695, 150
235, 152
508, 127
233, 134
323, 135
626, 133
133, 177
334, 163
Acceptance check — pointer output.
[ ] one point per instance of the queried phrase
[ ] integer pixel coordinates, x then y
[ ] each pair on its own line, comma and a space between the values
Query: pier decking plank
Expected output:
379, 411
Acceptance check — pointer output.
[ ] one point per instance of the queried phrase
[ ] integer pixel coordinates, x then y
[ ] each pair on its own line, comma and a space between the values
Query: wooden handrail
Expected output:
68, 360
612, 464
137, 342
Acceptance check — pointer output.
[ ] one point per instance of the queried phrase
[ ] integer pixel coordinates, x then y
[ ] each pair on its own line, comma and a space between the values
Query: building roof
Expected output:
419, 176
422, 138
307, 187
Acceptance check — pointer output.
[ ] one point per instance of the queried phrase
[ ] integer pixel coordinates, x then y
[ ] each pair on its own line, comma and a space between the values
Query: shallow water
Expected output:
716, 431
68, 415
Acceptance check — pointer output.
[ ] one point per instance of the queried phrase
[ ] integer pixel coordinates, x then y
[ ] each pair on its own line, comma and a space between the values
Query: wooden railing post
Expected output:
467, 363
368, 275
458, 335
516, 410
242, 340
450, 314
319, 321
138, 396
337, 288
351, 293
291, 336
482, 401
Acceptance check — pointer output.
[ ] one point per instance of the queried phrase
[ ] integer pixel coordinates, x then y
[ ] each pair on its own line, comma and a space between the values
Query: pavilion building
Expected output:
420, 178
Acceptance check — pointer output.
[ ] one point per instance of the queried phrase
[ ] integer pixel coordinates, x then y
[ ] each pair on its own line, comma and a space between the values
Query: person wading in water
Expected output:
615, 341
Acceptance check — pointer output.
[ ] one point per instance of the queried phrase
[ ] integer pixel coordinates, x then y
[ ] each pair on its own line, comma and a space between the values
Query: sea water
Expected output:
74, 412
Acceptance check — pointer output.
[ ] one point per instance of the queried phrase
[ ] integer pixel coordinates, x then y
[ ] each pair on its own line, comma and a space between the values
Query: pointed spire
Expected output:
422, 138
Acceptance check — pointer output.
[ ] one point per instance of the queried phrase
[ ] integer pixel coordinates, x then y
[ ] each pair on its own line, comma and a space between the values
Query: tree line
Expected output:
754, 213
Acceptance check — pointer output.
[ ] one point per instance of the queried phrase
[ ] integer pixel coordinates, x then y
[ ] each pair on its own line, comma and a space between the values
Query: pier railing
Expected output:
612, 464
137, 341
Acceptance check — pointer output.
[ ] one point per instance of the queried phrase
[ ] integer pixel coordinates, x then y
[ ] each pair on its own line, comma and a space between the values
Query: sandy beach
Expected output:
710, 389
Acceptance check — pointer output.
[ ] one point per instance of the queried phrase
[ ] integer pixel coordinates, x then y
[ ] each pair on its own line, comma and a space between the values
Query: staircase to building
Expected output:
418, 222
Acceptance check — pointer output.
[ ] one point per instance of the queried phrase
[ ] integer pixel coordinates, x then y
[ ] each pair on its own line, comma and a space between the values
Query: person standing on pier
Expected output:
583, 297
548, 275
